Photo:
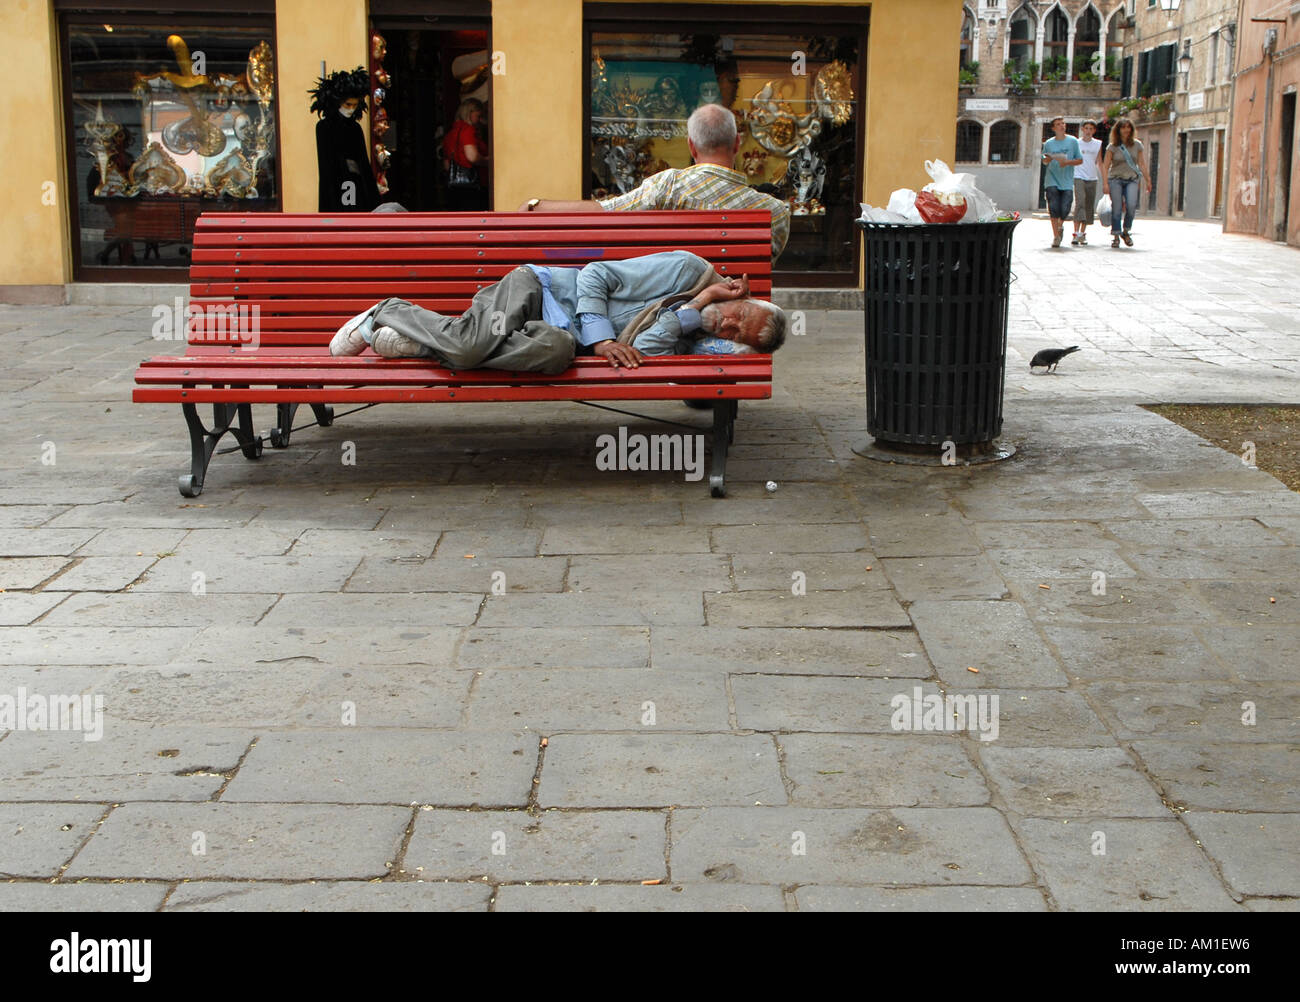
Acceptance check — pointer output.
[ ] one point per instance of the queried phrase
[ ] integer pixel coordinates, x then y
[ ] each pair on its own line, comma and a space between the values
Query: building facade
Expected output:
1177, 89
1023, 64
1263, 185
140, 114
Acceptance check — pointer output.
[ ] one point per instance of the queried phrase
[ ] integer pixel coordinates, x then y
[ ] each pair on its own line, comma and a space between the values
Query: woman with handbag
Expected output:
1122, 171
465, 155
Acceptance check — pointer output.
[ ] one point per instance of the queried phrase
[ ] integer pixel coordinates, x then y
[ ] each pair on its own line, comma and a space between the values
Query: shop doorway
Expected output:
1220, 168
423, 72
1197, 171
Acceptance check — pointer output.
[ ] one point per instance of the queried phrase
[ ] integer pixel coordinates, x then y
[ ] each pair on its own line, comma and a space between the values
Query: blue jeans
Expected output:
1128, 194
1058, 202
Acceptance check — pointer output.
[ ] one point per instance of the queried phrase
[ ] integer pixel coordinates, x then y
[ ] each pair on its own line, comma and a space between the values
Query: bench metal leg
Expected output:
234, 418
724, 422
284, 415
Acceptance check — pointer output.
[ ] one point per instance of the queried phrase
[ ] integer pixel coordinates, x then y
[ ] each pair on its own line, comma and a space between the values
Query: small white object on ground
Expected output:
771, 487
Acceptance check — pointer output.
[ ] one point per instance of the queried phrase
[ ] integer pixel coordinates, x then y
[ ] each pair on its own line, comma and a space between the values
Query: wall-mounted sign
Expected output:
987, 104
1196, 101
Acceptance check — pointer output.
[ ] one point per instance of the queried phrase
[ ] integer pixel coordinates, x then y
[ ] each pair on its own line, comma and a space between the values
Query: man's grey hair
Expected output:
772, 334
712, 128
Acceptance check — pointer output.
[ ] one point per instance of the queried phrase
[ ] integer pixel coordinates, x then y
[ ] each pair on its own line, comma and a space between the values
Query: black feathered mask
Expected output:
331, 91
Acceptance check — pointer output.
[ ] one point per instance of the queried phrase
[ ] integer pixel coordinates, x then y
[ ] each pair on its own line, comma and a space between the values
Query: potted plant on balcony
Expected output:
968, 76
1020, 81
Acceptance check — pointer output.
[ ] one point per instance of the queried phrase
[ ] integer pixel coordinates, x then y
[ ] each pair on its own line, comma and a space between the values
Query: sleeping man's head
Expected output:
755, 323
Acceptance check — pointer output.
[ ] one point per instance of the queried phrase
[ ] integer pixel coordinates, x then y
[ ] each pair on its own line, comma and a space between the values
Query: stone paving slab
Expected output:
838, 770
128, 763
660, 770
1148, 866
1071, 782
328, 896
349, 645
37, 839
555, 647
996, 638
1125, 650
788, 845
1258, 853
1224, 777
516, 846
286, 695
1199, 711
802, 651
794, 703
595, 699
24, 608
155, 609
816, 898
244, 841
458, 573
1266, 653
119, 896
876, 609
619, 898
405, 766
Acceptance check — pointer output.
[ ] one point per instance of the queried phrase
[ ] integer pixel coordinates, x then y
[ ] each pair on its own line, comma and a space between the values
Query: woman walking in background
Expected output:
1124, 168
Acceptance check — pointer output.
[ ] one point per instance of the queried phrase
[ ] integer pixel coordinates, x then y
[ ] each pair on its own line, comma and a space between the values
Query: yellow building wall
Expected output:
34, 210
307, 31
536, 114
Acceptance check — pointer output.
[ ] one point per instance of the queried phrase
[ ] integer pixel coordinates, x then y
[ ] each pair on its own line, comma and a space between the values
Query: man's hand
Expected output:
721, 292
618, 354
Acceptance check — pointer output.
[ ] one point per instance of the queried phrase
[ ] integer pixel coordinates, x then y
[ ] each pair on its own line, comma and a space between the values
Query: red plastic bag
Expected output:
940, 208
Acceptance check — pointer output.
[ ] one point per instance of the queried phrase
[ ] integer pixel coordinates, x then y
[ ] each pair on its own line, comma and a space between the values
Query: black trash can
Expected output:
936, 331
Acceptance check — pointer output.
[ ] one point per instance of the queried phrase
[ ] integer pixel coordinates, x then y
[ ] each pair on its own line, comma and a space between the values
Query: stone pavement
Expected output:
471, 671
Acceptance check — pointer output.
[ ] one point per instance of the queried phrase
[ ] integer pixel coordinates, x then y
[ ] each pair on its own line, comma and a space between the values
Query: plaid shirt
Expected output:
704, 186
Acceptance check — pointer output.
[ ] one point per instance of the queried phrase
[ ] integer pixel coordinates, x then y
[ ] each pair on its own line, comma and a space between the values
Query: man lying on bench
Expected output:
538, 316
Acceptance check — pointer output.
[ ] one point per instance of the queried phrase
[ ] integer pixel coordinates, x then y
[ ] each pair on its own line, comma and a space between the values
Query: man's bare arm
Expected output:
554, 205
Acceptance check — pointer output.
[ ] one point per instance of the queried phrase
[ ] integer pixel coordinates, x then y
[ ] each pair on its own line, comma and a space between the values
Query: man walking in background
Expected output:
1061, 155
1086, 176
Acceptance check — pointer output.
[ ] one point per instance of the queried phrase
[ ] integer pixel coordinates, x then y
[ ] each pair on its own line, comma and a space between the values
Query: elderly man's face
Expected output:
739, 320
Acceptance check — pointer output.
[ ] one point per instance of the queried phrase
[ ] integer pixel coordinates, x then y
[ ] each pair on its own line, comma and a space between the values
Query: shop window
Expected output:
796, 99
166, 121
1020, 39
1004, 143
970, 142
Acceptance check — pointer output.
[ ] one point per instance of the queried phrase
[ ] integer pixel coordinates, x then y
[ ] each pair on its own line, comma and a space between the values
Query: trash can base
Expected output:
905, 454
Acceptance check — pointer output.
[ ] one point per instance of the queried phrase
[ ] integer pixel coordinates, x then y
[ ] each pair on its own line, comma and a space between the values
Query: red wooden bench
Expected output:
273, 288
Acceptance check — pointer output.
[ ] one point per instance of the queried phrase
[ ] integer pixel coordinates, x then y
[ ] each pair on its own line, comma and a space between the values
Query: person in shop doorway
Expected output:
347, 183
467, 157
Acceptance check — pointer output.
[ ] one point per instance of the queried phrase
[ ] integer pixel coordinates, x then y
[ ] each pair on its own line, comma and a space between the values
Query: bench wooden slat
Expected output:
541, 221
449, 394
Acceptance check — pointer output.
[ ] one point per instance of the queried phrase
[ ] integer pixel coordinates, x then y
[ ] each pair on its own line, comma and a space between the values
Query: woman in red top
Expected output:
466, 155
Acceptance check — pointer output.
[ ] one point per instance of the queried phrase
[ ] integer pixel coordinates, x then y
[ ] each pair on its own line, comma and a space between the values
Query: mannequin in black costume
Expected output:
340, 99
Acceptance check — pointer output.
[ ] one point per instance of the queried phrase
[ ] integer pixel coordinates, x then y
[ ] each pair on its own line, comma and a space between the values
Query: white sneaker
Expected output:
391, 344
348, 340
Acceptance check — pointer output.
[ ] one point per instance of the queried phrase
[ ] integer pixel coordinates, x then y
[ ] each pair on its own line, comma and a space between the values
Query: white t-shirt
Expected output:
1087, 171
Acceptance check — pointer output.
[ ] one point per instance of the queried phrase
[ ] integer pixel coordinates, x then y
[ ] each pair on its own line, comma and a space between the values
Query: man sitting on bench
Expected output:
537, 317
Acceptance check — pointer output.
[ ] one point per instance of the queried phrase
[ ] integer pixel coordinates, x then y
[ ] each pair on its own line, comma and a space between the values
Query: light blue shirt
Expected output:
1058, 176
605, 296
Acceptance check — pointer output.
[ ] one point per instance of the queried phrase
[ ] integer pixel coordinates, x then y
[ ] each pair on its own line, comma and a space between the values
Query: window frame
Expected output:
720, 19
233, 13
1013, 161
979, 152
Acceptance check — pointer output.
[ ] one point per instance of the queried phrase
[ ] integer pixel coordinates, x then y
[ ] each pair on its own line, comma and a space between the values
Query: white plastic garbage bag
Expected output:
903, 203
955, 189
872, 214
1103, 210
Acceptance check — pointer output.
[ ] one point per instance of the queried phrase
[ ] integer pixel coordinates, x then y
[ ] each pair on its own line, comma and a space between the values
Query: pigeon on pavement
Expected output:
1051, 357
